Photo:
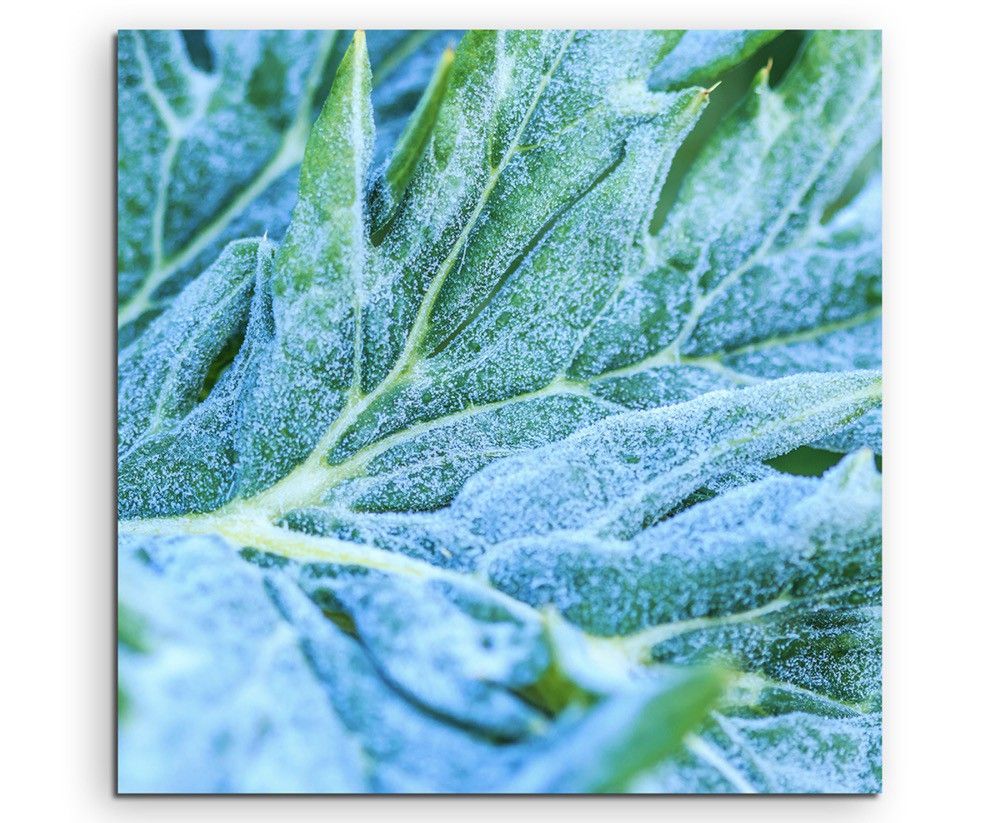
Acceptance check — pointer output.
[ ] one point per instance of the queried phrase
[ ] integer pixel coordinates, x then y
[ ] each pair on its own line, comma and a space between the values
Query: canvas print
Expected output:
499, 412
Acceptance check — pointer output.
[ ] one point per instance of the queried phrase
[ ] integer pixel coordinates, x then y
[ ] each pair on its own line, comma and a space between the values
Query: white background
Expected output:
941, 271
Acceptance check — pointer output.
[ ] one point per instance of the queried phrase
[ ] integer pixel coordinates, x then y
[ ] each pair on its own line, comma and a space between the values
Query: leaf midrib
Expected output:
309, 478
251, 517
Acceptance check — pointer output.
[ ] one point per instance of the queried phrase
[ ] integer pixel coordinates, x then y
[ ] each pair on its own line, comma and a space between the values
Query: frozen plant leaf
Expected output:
753, 277
481, 648
317, 334
243, 684
621, 738
211, 131
790, 751
702, 55
626, 472
780, 579
741, 551
481, 439
207, 685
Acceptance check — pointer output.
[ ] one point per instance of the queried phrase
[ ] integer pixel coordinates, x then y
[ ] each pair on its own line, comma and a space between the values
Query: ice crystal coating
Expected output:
457, 480
701, 56
209, 152
234, 680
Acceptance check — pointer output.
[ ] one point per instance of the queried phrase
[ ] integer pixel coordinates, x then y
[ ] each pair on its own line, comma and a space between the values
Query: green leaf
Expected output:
299, 366
210, 153
310, 311
791, 752
177, 402
625, 473
629, 734
781, 579
456, 480
751, 280
207, 694
702, 56
247, 686
413, 140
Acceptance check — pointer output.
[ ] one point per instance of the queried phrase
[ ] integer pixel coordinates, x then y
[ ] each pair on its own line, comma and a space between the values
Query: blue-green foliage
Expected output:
443, 453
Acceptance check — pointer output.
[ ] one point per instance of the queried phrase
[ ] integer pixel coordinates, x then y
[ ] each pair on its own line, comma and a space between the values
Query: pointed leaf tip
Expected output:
356, 55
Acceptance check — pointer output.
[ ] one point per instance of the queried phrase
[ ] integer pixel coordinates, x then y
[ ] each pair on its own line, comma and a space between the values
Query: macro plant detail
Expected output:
461, 378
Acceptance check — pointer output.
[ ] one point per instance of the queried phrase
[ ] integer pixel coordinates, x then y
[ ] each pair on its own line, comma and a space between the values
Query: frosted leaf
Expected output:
525, 112
769, 736
304, 351
311, 309
241, 684
627, 471
630, 733
738, 552
793, 753
233, 680
392, 182
211, 153
407, 749
310, 326
702, 55
403, 63
293, 366
425, 469
813, 622
479, 648
865, 431
781, 579
771, 170
747, 259
179, 393
492, 452
218, 694
814, 308
519, 340
433, 537
840, 260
